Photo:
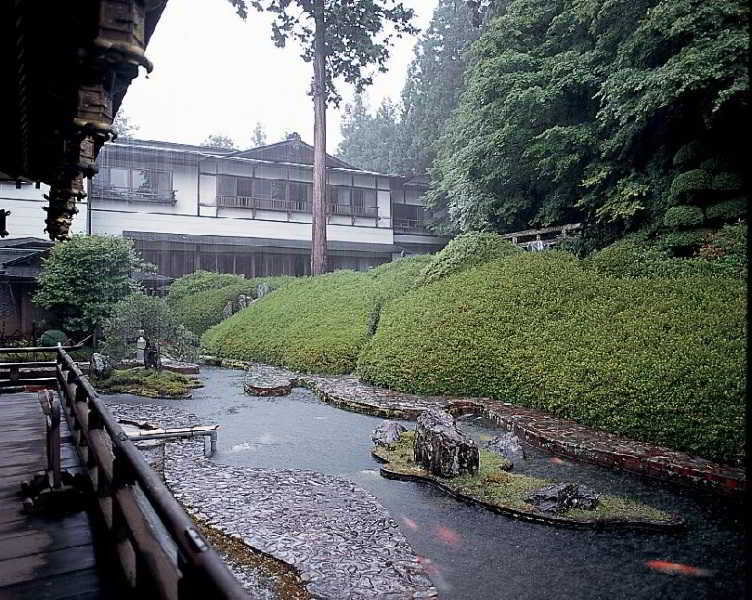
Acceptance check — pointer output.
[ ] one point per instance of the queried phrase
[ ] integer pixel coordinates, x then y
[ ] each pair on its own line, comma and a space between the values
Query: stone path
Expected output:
337, 536
563, 437
341, 540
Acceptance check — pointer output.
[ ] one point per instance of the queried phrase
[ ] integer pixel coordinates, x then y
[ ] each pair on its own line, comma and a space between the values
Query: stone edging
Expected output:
562, 437
645, 525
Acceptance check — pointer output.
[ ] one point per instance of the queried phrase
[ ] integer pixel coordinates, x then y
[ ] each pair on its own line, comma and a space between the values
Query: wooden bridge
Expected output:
82, 515
542, 239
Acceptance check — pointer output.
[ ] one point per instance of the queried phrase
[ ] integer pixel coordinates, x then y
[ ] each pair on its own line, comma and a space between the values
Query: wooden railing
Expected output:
302, 206
409, 225
130, 495
539, 239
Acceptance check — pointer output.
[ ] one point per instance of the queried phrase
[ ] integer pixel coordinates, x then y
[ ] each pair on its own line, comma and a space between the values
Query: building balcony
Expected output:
249, 202
409, 226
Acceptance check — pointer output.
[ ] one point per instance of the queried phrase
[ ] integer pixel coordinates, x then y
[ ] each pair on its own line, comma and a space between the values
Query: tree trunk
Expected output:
318, 237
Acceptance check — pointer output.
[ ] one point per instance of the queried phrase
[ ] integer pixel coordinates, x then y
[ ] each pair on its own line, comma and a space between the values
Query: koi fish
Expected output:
671, 568
410, 523
448, 536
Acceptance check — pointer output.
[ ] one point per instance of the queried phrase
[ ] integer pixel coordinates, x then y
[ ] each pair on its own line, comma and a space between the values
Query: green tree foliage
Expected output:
402, 139
123, 126
159, 323
216, 140
591, 110
258, 137
371, 141
84, 277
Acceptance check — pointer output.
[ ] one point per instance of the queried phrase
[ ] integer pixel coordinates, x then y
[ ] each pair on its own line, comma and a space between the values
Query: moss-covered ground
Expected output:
494, 486
148, 383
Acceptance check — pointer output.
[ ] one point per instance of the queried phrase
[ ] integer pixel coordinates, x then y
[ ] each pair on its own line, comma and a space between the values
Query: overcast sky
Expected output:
214, 73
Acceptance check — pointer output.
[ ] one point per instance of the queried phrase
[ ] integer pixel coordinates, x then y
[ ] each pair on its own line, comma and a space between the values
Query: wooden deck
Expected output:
41, 558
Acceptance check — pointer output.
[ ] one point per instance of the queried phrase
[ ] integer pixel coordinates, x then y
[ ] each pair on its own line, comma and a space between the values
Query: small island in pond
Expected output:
148, 383
500, 491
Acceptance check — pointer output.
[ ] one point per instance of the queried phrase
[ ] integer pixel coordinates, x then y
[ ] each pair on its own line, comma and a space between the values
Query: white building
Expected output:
192, 207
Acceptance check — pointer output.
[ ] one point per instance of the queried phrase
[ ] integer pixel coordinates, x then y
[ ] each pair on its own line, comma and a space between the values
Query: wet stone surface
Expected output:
263, 380
337, 535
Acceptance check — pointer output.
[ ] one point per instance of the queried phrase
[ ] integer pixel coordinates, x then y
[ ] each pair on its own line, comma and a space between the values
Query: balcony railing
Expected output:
409, 226
108, 192
249, 202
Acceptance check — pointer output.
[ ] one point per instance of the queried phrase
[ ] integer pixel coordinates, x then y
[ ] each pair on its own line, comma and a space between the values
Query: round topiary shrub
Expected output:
678, 217
465, 251
727, 182
688, 185
728, 210
51, 337
681, 240
688, 154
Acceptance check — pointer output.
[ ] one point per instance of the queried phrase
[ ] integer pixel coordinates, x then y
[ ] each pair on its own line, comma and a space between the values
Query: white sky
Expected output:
214, 73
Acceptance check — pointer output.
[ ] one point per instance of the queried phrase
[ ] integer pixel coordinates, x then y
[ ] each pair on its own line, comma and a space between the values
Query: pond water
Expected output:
470, 553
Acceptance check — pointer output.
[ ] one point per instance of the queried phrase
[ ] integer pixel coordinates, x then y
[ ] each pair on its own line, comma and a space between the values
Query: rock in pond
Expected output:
507, 445
563, 496
442, 448
387, 433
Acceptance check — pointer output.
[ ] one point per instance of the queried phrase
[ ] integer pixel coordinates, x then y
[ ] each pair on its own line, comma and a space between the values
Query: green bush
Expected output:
678, 217
655, 359
688, 155
678, 241
728, 210
466, 251
200, 281
51, 337
727, 182
688, 185
314, 324
203, 309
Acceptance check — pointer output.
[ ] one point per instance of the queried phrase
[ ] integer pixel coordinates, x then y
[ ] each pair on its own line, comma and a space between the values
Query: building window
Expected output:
134, 185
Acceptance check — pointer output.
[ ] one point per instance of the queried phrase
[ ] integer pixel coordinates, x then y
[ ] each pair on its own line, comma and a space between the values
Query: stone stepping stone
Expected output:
266, 381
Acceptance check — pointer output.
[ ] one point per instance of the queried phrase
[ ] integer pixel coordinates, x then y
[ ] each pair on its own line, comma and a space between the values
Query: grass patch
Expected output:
493, 486
148, 383
658, 359
314, 324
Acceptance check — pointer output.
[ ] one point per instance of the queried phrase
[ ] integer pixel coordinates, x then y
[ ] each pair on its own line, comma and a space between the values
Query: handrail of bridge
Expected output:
118, 471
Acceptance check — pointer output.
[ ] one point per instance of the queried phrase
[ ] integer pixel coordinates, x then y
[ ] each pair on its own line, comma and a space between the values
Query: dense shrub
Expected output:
726, 250
689, 154
727, 182
201, 309
656, 359
728, 210
199, 281
466, 251
677, 217
679, 242
51, 337
686, 186
315, 324
157, 320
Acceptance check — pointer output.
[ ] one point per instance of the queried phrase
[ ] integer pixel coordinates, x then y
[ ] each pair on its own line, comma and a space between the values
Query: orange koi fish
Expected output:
671, 568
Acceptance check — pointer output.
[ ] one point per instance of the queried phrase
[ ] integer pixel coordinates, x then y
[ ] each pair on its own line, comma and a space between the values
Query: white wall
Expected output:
114, 223
27, 214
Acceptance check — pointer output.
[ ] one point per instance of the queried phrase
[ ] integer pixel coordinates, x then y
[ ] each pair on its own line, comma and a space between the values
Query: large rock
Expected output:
387, 433
100, 366
560, 497
507, 445
262, 289
227, 310
441, 448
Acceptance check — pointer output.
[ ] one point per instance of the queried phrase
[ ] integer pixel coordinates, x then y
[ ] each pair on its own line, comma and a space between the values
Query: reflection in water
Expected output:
471, 553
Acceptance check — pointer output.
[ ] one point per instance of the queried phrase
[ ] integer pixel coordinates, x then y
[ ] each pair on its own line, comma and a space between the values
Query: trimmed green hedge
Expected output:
677, 217
656, 359
200, 281
203, 309
687, 185
727, 182
316, 324
689, 154
464, 252
681, 240
727, 210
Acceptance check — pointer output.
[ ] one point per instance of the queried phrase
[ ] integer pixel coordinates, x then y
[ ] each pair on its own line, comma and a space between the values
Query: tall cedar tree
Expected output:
341, 38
